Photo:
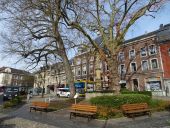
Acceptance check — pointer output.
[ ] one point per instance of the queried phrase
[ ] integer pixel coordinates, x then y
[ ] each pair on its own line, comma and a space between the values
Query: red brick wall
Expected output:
165, 59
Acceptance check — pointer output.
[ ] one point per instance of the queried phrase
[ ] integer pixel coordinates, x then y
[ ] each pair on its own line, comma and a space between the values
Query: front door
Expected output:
135, 85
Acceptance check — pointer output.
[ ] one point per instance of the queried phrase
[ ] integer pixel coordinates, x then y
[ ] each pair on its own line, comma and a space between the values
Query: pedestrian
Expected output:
28, 97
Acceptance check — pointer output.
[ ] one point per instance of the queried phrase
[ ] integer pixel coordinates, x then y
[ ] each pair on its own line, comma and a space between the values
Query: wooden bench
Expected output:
38, 105
83, 110
131, 110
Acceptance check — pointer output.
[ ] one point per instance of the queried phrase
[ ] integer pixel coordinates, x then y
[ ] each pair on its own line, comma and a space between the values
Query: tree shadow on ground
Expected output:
2, 125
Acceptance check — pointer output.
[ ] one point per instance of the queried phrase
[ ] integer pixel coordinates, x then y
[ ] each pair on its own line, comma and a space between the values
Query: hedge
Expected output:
13, 102
118, 100
149, 93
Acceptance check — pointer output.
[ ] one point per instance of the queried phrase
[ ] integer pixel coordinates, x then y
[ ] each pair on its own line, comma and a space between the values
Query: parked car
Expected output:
63, 92
10, 93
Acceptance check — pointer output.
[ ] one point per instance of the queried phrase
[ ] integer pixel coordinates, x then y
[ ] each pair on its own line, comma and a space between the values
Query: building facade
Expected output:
143, 64
15, 77
144, 61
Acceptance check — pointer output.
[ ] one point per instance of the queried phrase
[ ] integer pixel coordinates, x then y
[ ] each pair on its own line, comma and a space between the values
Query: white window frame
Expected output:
119, 56
131, 66
145, 51
92, 58
78, 61
77, 71
84, 72
155, 49
169, 51
142, 65
84, 60
130, 54
91, 68
151, 63
119, 69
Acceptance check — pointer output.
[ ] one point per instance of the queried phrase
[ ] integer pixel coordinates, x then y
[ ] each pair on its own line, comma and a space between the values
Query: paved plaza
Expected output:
22, 118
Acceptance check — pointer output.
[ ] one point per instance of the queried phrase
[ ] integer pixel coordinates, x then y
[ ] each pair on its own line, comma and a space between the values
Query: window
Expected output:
73, 71
91, 69
133, 67
145, 65
121, 56
132, 54
152, 49
143, 52
78, 71
84, 70
84, 60
106, 67
169, 51
154, 64
92, 58
78, 61
122, 69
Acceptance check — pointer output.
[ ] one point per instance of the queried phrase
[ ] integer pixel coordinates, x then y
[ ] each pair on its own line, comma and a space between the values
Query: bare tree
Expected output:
38, 32
111, 19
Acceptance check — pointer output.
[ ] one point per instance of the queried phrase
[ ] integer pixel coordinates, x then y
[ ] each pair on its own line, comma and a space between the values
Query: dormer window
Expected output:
78, 61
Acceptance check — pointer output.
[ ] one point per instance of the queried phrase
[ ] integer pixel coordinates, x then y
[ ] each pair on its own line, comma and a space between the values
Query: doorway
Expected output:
135, 85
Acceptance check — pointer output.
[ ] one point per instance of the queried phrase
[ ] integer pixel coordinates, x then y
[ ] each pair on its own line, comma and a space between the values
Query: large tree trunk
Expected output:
69, 75
67, 66
113, 76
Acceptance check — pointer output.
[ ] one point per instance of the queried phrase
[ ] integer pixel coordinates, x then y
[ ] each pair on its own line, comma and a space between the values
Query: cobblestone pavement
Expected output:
22, 118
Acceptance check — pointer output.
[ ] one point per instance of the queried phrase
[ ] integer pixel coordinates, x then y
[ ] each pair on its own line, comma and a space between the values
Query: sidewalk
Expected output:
161, 98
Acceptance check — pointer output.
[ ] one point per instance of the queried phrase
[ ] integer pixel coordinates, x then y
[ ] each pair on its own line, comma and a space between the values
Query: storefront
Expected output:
153, 84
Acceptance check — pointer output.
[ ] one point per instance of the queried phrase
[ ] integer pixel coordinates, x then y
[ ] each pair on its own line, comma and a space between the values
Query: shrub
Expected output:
13, 102
108, 112
7, 104
118, 100
159, 105
148, 93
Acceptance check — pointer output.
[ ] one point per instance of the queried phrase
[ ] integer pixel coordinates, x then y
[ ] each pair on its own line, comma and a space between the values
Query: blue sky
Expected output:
148, 24
143, 25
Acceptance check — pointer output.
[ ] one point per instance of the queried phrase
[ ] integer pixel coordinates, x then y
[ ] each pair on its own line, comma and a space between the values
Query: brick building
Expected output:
144, 61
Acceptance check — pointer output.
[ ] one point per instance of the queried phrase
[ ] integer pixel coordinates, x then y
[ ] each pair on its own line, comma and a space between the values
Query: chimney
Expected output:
161, 26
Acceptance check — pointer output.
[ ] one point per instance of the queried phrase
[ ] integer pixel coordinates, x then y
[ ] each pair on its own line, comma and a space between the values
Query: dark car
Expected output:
10, 93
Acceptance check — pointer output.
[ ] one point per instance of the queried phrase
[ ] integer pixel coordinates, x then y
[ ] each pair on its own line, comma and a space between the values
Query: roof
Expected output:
14, 71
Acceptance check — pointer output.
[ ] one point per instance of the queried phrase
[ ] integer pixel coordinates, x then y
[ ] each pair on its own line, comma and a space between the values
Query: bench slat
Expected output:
81, 109
136, 108
39, 105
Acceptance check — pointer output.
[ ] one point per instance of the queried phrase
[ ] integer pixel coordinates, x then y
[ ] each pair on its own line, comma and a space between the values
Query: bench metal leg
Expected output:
70, 114
149, 114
